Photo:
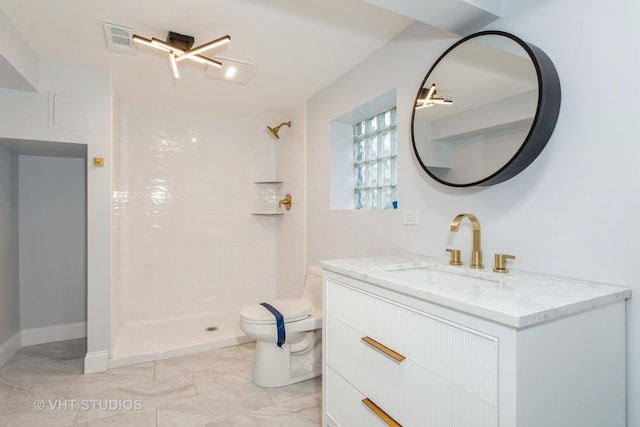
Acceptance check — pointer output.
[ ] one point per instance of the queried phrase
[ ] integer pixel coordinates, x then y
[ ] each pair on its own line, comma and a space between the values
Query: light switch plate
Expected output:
410, 218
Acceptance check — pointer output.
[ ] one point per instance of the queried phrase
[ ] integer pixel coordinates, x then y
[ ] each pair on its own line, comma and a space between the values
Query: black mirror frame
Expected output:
543, 123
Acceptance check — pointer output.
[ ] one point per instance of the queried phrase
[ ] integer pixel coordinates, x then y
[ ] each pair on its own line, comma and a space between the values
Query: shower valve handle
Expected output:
286, 202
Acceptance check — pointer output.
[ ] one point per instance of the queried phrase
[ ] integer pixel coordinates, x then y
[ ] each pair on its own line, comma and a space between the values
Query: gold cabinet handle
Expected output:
386, 350
380, 413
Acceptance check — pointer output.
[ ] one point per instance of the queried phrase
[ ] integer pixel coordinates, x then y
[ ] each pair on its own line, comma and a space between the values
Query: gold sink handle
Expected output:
501, 263
455, 256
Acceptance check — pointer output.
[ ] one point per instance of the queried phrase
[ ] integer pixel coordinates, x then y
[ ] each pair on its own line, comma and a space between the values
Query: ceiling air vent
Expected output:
119, 38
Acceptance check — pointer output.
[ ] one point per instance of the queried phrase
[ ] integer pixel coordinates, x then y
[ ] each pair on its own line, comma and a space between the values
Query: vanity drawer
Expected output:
428, 400
368, 369
345, 407
464, 357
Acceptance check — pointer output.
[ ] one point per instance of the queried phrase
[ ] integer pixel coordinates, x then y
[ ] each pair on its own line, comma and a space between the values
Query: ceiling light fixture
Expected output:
174, 66
232, 71
144, 41
159, 44
203, 48
204, 60
427, 98
178, 46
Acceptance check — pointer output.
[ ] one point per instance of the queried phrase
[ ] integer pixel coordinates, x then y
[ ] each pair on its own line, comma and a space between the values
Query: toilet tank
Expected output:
313, 287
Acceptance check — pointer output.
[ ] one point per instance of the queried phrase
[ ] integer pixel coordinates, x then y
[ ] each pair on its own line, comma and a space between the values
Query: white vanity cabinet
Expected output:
447, 374
423, 364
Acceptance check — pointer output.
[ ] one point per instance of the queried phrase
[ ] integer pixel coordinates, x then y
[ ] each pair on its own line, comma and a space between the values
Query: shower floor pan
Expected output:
139, 342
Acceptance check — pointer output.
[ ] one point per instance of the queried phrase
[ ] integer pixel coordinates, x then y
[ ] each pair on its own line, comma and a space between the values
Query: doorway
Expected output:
51, 189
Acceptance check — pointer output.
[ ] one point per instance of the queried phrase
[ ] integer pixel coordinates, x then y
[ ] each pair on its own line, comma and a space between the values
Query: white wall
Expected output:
568, 214
9, 279
24, 116
52, 229
346, 233
290, 168
182, 207
18, 62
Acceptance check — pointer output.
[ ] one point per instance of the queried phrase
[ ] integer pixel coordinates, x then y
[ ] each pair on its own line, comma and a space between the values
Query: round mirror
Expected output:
485, 110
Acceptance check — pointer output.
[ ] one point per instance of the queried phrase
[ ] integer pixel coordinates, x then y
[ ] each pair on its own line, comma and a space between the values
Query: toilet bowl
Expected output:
299, 357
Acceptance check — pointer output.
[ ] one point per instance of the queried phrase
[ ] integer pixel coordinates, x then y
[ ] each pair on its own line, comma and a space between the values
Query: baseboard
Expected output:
70, 331
9, 348
96, 361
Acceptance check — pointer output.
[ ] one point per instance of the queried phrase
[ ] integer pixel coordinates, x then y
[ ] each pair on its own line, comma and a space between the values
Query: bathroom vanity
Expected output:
413, 341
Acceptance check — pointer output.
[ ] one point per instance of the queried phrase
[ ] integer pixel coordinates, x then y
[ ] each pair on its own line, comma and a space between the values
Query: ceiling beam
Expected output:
19, 65
461, 17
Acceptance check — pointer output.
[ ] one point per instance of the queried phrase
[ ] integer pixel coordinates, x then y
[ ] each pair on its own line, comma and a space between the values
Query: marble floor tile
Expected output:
282, 394
313, 413
217, 379
76, 349
143, 418
300, 412
88, 385
248, 350
198, 362
27, 376
37, 412
213, 406
212, 388
146, 395
15, 393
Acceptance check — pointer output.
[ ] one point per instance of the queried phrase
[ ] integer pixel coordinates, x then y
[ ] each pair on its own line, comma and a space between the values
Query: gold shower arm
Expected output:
274, 131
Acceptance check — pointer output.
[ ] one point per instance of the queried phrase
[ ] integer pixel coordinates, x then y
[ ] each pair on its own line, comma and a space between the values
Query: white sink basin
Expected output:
443, 278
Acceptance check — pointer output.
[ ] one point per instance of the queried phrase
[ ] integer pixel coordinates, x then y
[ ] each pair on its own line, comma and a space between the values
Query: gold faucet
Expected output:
476, 254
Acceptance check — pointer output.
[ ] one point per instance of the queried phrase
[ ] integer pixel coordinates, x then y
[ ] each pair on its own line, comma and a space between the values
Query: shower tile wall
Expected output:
186, 242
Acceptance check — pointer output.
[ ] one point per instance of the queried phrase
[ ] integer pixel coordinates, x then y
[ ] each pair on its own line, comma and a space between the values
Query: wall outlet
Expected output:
411, 218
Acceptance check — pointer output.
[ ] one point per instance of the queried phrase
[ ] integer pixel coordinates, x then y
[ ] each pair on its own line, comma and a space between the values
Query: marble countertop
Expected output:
518, 299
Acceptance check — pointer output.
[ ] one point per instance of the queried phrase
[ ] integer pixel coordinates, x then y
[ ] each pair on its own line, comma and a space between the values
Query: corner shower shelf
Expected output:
269, 212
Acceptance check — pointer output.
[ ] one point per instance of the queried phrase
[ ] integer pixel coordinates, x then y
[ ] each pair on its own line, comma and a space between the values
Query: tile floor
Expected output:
43, 385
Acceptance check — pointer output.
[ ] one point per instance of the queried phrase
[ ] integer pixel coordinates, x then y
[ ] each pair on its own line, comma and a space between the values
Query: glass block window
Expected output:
375, 163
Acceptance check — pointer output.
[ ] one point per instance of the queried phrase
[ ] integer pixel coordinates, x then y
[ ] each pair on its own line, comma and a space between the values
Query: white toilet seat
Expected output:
292, 310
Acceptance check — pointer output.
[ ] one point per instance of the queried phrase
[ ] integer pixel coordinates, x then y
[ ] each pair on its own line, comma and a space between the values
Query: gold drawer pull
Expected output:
386, 350
380, 413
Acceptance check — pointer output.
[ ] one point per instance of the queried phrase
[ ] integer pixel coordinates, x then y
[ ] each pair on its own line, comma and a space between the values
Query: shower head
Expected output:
274, 131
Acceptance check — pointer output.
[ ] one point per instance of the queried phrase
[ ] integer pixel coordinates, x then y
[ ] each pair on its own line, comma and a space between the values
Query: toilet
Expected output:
300, 356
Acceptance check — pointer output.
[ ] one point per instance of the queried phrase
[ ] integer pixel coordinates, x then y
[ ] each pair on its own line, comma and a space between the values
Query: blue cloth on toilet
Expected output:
279, 322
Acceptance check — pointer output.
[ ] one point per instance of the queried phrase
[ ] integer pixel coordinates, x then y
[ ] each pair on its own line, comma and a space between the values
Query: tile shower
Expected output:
187, 253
